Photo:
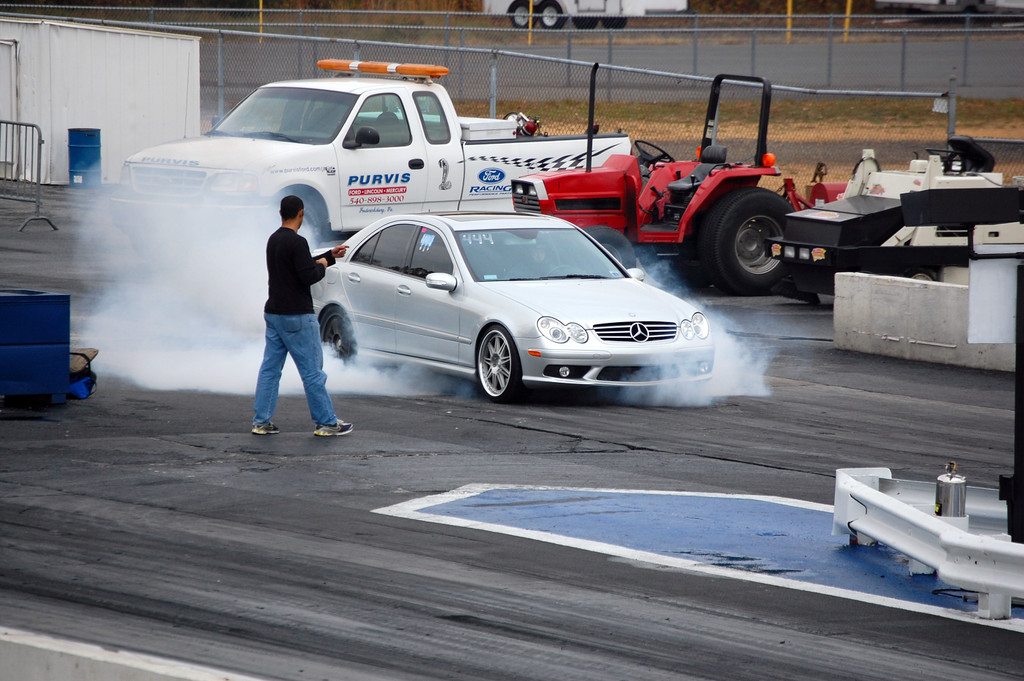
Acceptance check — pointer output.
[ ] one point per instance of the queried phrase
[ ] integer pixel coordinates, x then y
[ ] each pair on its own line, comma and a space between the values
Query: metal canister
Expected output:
951, 493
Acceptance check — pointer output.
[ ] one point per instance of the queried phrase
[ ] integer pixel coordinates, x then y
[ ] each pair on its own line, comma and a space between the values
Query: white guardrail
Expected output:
972, 553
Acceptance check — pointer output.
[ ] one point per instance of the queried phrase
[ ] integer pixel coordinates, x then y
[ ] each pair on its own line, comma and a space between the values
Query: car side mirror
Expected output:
636, 273
442, 281
364, 136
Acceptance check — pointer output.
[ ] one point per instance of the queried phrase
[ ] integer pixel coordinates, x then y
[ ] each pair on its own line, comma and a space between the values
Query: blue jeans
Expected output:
297, 335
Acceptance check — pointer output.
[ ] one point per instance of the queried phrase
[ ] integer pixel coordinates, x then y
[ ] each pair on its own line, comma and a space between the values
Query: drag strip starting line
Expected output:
763, 539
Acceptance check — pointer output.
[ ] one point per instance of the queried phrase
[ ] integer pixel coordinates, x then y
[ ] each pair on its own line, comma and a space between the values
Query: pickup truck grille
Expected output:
168, 181
636, 332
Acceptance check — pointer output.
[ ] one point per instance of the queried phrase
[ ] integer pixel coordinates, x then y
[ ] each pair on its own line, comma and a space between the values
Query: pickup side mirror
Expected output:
364, 135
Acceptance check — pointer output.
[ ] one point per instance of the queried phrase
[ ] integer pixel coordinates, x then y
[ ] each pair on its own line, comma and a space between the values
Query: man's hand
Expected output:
322, 261
339, 251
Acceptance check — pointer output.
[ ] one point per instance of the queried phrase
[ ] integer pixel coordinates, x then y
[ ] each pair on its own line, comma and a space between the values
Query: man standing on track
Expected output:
292, 328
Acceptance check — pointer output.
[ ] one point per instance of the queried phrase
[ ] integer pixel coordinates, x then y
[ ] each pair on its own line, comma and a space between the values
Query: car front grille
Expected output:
636, 332
168, 181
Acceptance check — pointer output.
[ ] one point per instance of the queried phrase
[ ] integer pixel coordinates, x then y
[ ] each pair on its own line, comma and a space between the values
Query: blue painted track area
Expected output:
765, 539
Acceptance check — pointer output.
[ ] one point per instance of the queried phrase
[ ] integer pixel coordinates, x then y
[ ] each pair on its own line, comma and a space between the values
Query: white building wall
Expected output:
138, 88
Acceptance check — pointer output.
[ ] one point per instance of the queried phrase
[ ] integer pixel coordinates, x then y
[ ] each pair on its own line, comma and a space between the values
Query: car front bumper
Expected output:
634, 366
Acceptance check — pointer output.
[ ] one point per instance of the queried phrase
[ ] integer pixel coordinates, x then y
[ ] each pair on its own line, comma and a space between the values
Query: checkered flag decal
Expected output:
568, 161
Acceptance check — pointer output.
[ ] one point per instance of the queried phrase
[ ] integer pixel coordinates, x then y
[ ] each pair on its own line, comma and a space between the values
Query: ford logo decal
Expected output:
491, 175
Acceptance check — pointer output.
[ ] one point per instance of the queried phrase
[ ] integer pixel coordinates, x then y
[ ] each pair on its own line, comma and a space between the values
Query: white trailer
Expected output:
953, 6
137, 88
585, 14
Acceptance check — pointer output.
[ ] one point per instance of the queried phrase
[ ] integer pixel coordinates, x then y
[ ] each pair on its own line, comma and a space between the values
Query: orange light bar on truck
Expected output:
383, 68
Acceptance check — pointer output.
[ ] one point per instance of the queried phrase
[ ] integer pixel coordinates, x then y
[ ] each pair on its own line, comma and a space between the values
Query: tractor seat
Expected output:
712, 156
974, 157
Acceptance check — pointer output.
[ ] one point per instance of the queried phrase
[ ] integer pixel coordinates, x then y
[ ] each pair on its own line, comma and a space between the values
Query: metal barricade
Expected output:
21, 159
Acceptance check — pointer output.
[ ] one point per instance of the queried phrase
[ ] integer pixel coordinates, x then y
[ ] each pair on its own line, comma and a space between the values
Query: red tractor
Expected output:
707, 214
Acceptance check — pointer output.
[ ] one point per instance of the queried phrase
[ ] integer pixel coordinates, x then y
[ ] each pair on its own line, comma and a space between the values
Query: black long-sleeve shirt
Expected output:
291, 270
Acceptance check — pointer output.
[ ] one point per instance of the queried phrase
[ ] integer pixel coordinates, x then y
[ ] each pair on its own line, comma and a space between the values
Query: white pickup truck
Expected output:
384, 138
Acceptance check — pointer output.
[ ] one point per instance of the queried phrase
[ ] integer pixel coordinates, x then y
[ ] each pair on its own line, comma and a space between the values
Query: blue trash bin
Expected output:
84, 167
35, 338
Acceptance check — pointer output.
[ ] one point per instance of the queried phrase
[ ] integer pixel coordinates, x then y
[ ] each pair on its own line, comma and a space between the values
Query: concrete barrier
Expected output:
31, 657
910, 319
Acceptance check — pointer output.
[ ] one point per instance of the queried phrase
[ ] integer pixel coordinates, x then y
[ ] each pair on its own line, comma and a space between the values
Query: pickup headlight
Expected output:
557, 332
695, 327
235, 183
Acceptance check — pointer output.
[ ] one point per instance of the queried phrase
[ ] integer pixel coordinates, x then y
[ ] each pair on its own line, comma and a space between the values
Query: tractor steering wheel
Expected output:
649, 154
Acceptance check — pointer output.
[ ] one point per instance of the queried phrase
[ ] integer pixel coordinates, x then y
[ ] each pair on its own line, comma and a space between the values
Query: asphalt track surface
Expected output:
151, 520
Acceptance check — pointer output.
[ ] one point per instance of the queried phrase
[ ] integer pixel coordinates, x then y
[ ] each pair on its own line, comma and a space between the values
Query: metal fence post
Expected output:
696, 32
608, 79
828, 59
967, 45
753, 52
951, 116
220, 73
568, 56
494, 84
298, 49
903, 61
462, 64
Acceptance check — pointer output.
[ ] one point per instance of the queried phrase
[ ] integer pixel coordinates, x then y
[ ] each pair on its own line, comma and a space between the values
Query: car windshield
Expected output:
535, 254
293, 114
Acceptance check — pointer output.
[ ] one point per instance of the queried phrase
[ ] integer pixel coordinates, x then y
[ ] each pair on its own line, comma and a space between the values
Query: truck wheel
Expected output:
519, 13
315, 222
550, 14
336, 331
497, 366
615, 242
731, 242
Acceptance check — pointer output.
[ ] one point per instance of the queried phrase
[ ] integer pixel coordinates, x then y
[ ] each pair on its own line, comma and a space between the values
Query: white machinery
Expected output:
865, 230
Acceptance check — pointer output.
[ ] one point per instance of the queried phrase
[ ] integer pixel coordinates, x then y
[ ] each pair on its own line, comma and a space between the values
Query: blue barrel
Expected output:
84, 157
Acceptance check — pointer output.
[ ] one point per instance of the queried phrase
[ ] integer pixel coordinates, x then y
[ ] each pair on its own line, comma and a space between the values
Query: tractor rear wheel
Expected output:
616, 243
731, 242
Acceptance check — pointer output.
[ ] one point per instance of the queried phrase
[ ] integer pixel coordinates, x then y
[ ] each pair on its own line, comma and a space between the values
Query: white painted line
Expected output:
27, 656
413, 510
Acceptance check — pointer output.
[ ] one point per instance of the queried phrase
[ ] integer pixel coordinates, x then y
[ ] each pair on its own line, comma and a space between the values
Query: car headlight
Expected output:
701, 325
696, 326
234, 183
556, 331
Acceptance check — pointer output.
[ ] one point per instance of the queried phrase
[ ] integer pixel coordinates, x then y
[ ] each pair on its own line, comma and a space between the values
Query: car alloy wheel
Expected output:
498, 369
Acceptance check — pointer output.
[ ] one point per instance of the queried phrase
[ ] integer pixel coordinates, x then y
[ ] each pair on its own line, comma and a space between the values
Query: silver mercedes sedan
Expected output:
512, 301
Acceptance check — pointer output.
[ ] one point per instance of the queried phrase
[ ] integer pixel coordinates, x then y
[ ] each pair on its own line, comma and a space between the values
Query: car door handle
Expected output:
416, 163
354, 277
404, 290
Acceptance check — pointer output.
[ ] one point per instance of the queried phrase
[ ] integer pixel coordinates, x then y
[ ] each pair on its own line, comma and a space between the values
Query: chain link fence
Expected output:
810, 125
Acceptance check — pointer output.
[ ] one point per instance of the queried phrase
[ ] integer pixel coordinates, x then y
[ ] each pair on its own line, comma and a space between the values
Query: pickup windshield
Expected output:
292, 114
